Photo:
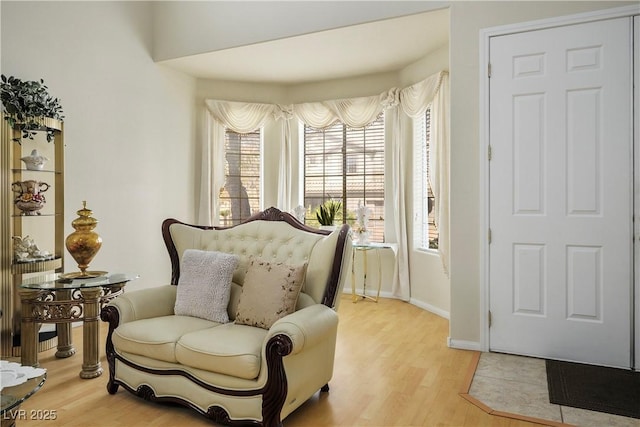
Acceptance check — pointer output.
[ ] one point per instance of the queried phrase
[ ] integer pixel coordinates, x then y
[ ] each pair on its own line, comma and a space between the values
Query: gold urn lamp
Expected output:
84, 243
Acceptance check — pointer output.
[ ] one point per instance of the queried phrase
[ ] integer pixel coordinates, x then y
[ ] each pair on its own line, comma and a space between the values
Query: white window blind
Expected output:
241, 195
346, 164
425, 231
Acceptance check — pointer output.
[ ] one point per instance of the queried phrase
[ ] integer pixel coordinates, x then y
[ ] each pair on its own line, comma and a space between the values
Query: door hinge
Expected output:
489, 318
489, 70
489, 152
489, 236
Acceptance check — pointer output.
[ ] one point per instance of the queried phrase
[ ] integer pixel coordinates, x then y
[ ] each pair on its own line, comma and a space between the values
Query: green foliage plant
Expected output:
25, 103
326, 212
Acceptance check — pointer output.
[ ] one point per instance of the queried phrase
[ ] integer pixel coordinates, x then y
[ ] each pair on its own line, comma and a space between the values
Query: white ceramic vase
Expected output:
34, 162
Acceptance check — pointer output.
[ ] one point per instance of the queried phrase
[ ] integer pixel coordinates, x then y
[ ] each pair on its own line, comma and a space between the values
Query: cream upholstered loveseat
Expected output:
231, 373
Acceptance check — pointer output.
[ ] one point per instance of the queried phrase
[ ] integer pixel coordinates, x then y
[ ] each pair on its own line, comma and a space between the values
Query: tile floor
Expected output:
518, 385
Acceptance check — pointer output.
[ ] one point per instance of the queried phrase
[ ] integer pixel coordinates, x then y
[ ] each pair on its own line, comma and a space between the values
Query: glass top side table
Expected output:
12, 397
56, 283
52, 299
365, 248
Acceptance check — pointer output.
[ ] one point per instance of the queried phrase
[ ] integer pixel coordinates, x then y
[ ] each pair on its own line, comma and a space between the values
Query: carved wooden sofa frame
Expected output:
274, 391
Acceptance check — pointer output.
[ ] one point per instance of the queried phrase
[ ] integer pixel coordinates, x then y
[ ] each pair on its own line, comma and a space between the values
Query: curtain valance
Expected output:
244, 117
415, 99
354, 112
241, 117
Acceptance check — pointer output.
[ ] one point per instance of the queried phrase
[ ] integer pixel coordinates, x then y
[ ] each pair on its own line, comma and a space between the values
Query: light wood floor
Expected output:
392, 368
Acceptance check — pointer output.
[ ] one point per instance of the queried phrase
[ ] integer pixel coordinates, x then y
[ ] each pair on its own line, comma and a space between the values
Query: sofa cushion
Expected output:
269, 292
228, 349
204, 284
156, 337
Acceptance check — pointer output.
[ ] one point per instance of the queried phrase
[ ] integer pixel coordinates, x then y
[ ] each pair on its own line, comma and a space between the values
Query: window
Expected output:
240, 196
347, 165
426, 233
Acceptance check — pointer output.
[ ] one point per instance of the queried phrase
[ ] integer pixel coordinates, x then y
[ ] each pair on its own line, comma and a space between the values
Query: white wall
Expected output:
467, 18
129, 127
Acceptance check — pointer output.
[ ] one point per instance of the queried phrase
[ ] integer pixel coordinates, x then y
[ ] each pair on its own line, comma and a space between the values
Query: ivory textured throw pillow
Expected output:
205, 284
270, 292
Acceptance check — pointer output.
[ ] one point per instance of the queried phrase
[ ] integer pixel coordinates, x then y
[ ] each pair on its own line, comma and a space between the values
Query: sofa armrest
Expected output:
306, 327
145, 303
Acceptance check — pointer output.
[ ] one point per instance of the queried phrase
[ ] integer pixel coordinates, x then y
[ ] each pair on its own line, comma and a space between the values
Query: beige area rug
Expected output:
516, 387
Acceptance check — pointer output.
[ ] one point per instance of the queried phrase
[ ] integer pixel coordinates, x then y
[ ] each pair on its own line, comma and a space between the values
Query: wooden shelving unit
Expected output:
47, 229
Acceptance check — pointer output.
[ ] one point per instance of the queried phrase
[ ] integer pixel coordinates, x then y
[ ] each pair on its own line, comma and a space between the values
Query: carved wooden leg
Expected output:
112, 388
28, 331
110, 314
90, 331
275, 391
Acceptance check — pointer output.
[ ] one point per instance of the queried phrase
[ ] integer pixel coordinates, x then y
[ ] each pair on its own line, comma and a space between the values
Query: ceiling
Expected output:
377, 47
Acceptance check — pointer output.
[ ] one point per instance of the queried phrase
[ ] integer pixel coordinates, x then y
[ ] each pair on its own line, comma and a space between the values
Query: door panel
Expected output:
561, 174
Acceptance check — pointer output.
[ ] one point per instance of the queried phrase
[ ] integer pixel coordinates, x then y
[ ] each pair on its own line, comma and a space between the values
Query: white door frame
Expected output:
636, 149
485, 36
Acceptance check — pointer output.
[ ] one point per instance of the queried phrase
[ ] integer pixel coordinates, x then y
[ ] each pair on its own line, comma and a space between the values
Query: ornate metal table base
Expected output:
90, 330
63, 306
65, 339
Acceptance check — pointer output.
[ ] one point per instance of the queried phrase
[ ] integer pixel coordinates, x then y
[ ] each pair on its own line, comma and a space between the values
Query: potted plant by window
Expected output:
27, 105
326, 213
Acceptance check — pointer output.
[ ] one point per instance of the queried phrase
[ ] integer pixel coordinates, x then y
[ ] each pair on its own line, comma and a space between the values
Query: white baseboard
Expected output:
370, 293
430, 308
420, 304
464, 345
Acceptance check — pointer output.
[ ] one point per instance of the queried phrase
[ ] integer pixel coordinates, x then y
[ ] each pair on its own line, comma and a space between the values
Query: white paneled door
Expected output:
561, 193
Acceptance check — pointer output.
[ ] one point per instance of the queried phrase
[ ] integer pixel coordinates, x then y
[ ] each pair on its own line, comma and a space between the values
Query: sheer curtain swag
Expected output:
412, 101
